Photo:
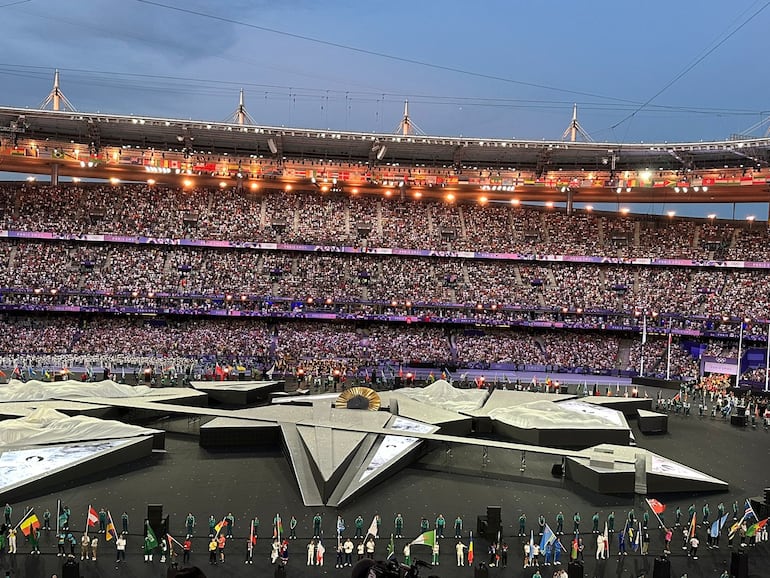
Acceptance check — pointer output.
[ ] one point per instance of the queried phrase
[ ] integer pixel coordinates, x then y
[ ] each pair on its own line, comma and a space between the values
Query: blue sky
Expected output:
486, 69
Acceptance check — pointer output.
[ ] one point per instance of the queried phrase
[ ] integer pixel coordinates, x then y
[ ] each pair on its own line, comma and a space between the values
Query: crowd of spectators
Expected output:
137, 272
319, 348
336, 219
73, 272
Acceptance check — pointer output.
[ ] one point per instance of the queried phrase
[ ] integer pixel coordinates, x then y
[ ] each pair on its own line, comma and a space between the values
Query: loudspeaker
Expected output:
575, 569
155, 517
661, 568
155, 514
767, 496
70, 569
105, 374
481, 525
739, 564
557, 471
494, 515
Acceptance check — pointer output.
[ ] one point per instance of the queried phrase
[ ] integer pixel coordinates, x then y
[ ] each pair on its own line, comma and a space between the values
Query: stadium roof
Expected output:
221, 138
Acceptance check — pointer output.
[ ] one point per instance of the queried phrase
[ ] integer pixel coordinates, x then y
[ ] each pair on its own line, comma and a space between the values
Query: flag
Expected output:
657, 507
277, 526
219, 373
152, 541
425, 539
29, 523
735, 527
749, 511
548, 538
692, 525
637, 538
470, 551
111, 532
270, 371
606, 540
372, 531
93, 517
717, 525
573, 552
391, 548
220, 525
754, 528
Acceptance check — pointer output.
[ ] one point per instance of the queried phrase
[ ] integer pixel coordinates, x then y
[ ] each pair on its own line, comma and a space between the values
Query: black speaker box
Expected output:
575, 569
557, 470
494, 515
155, 514
482, 525
70, 569
739, 565
661, 568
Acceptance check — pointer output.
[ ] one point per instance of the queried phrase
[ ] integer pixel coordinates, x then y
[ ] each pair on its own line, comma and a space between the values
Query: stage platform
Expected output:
628, 405
238, 393
609, 469
652, 422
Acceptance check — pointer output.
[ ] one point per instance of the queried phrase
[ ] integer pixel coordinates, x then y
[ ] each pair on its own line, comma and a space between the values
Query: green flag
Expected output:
150, 541
426, 539
391, 548
754, 528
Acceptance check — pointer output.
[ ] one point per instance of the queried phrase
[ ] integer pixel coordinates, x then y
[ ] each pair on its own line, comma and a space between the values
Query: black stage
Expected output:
189, 478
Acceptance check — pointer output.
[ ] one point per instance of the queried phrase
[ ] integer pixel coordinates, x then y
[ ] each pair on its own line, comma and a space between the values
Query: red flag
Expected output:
219, 373
93, 516
656, 506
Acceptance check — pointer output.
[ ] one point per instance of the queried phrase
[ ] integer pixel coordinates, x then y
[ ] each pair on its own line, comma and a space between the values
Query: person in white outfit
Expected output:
460, 549
310, 553
600, 552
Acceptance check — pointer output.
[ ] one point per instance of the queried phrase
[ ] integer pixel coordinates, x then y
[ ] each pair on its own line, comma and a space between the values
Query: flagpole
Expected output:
740, 351
58, 515
644, 340
660, 522
767, 360
668, 353
88, 513
23, 518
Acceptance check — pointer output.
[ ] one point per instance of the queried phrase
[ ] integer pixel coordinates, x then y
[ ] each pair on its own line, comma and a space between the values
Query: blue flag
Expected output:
548, 538
717, 525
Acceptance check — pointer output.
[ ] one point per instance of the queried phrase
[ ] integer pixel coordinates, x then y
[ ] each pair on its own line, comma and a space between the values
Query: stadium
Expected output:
218, 304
